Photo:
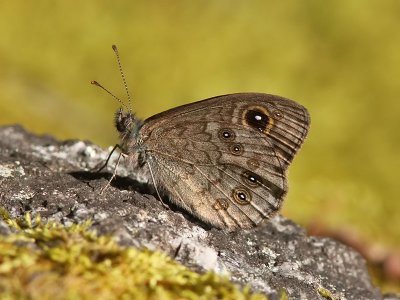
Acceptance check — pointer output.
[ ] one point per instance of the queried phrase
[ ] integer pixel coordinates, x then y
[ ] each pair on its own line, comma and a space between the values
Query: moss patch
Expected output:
41, 260
326, 294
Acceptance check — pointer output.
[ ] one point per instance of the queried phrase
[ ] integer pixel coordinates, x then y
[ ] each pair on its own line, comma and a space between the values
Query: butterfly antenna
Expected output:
94, 82
114, 47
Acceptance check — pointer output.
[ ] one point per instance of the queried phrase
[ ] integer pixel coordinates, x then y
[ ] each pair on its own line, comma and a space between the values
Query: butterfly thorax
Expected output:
128, 126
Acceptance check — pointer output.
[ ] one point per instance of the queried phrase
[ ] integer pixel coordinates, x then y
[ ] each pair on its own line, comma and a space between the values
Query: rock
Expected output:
56, 179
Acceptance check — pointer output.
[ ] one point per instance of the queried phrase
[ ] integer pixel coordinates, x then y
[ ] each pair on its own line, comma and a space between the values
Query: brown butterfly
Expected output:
222, 159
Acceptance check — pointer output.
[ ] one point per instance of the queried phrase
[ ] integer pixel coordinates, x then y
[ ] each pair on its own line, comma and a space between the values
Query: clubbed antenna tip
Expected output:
114, 47
94, 82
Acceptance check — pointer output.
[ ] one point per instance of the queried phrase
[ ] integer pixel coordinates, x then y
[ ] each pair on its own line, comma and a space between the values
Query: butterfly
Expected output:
223, 159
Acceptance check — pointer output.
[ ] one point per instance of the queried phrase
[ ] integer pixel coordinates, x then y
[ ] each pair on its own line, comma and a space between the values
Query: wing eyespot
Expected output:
253, 164
251, 179
257, 119
226, 134
241, 196
221, 204
236, 149
278, 114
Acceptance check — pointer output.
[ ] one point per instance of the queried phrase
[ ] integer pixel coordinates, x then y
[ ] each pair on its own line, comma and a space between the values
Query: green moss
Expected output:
50, 261
284, 295
326, 294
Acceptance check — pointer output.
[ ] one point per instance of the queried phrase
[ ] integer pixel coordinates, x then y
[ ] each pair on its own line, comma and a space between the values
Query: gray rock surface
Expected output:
56, 179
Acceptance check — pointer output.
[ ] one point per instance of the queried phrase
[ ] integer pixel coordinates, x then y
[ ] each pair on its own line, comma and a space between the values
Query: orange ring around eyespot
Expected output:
235, 196
263, 110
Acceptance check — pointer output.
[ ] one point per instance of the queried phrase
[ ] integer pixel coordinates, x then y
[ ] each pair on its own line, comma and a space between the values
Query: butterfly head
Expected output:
123, 121
127, 125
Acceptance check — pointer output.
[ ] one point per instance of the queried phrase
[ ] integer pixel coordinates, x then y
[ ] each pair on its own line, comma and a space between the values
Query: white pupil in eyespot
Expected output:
258, 117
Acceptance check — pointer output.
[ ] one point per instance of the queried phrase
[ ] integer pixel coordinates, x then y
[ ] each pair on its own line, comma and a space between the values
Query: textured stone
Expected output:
56, 180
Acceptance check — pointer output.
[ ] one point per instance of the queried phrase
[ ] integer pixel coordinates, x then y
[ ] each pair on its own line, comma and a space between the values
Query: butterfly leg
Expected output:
155, 186
108, 158
114, 173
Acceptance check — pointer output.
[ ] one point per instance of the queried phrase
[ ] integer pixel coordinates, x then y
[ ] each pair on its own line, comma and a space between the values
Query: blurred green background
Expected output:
341, 59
